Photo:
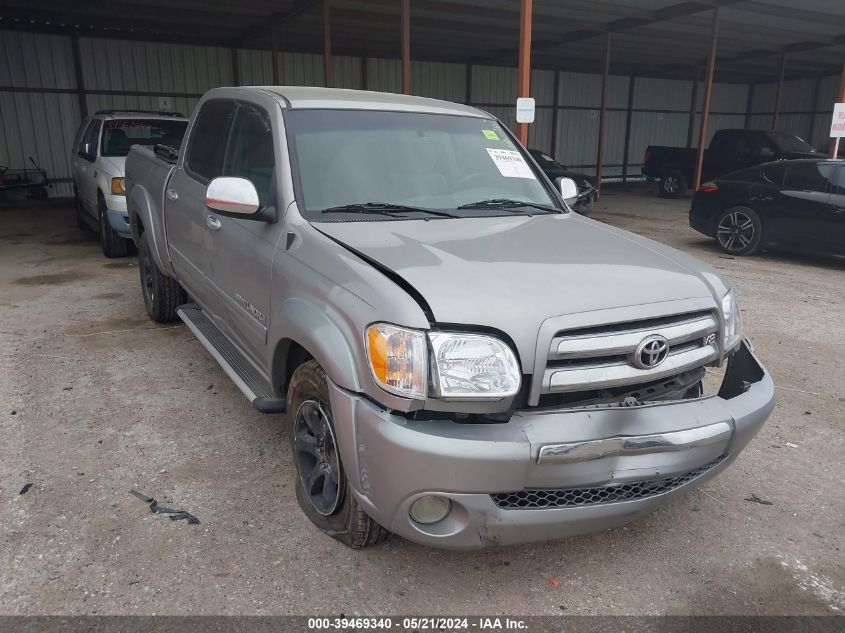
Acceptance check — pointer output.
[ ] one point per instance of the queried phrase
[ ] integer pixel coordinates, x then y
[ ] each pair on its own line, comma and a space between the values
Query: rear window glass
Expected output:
121, 134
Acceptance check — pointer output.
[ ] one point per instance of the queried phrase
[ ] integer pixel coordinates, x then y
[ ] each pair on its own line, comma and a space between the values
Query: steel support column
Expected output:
80, 80
628, 117
236, 70
749, 104
602, 112
705, 106
274, 49
834, 142
555, 106
778, 92
524, 80
406, 47
816, 92
468, 84
692, 108
327, 42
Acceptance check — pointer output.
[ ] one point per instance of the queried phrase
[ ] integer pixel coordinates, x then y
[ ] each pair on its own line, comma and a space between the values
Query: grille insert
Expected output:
572, 497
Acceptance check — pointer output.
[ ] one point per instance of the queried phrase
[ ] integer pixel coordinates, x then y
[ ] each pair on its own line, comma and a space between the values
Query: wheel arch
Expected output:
309, 332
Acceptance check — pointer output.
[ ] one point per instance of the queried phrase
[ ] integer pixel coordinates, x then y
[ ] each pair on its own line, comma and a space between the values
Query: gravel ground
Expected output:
96, 401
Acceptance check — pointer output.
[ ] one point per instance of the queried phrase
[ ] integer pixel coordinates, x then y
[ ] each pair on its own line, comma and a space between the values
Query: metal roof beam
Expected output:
273, 21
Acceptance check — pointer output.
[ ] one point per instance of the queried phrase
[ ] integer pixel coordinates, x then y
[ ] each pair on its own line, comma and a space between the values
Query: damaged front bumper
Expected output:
545, 474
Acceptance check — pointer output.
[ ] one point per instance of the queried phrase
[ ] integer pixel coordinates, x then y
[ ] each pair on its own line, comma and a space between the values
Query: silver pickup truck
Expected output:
463, 361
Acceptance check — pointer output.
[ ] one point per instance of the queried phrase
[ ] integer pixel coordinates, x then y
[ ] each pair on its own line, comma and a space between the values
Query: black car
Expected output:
796, 205
586, 185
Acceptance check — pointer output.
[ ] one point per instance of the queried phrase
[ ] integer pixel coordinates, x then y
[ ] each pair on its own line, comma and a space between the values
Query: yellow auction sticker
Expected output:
490, 135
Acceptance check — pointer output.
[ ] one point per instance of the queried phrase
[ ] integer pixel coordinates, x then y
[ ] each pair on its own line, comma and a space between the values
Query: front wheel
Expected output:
80, 212
162, 294
322, 488
739, 231
673, 184
113, 245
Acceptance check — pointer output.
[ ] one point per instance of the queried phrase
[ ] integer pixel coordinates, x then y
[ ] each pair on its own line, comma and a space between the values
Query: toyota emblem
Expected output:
651, 352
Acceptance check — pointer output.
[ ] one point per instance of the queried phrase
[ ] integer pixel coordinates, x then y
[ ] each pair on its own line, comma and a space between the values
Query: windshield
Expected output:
789, 143
385, 163
121, 134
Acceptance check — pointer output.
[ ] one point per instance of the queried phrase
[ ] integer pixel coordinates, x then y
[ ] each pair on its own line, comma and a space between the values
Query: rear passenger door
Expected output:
803, 205
189, 233
242, 265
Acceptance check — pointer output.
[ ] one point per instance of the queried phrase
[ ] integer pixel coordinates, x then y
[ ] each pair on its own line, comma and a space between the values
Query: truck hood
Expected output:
512, 273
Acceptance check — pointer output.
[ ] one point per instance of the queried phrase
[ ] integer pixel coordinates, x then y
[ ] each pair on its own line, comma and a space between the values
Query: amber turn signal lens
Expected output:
117, 187
398, 359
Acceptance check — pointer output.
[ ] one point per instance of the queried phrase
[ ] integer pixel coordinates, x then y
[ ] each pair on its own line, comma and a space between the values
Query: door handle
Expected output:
213, 222
172, 195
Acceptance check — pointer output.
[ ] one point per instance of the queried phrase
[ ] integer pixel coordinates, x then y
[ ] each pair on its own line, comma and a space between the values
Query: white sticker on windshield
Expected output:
510, 163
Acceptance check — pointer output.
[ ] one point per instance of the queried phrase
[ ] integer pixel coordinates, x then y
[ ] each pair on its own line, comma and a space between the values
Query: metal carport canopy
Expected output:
659, 38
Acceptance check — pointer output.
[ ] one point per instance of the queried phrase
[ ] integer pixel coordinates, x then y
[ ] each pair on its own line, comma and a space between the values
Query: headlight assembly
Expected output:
733, 323
449, 366
472, 367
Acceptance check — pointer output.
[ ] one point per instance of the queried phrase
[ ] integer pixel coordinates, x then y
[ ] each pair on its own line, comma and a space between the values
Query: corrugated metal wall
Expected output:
805, 110
40, 111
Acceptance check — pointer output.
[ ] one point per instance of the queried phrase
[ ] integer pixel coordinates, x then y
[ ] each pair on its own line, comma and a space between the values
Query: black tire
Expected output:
112, 244
329, 504
739, 231
80, 213
162, 294
673, 184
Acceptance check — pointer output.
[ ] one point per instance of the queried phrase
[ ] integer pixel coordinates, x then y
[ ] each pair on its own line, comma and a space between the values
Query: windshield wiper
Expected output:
384, 208
506, 203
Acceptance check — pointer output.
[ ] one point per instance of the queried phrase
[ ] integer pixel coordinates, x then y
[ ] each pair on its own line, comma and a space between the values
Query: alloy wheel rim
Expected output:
147, 279
735, 231
670, 184
316, 457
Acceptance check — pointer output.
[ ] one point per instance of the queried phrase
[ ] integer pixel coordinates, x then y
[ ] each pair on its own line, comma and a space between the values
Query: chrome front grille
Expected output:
604, 357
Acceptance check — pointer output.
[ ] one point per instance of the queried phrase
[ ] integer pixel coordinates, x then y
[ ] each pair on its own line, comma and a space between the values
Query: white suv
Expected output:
98, 158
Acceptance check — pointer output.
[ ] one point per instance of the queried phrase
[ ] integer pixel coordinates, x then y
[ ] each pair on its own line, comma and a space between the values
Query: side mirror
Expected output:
568, 189
232, 196
86, 149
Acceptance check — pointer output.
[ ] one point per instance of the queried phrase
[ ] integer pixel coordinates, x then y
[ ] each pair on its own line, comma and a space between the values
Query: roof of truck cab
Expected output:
303, 97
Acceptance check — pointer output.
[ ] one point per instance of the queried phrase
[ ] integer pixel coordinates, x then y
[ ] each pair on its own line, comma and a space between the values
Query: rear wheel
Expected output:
322, 488
113, 245
162, 294
739, 231
673, 184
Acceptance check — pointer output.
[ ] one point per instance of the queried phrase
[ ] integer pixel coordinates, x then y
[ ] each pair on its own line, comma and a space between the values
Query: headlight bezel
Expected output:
425, 376
731, 323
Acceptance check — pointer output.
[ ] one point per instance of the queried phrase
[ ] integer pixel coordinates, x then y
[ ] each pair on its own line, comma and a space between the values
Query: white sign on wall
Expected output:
164, 104
837, 124
525, 110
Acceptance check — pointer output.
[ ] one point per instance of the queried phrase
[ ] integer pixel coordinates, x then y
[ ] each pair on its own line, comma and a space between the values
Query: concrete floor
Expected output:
96, 400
